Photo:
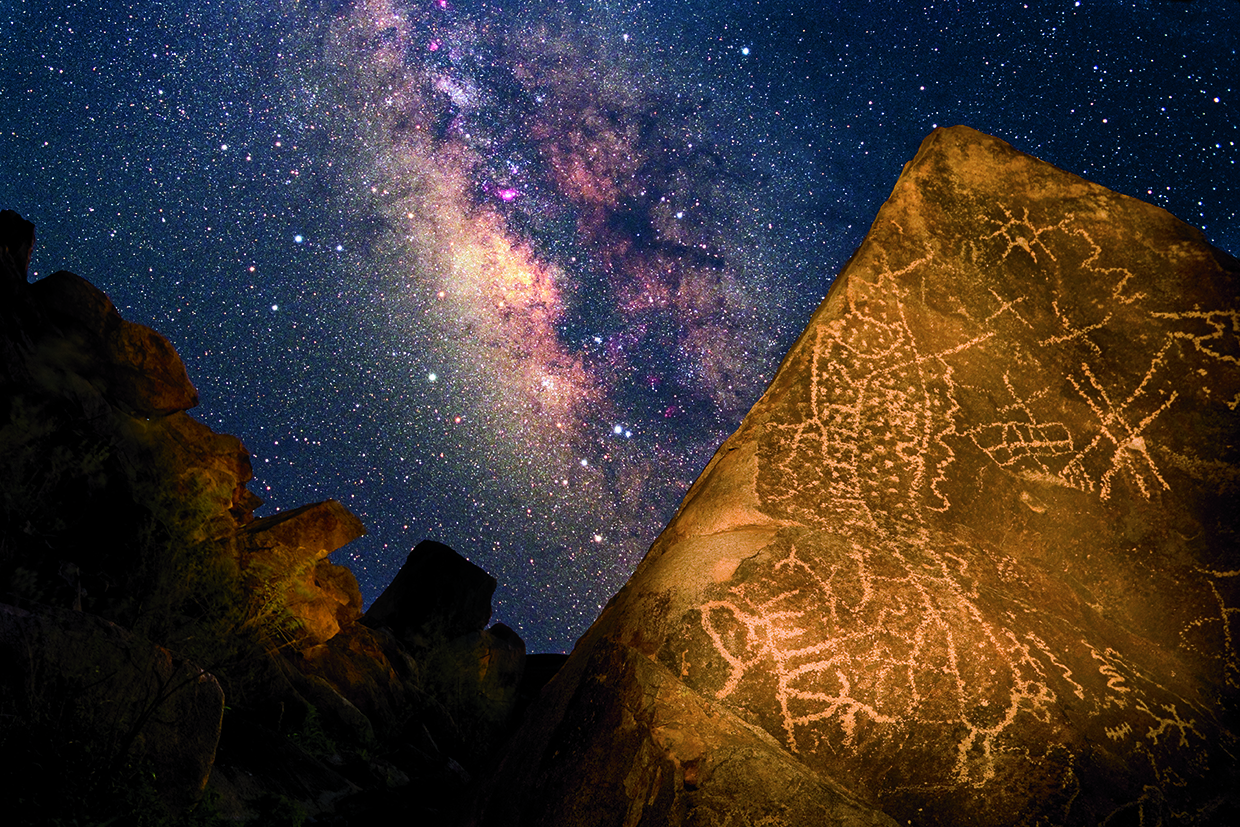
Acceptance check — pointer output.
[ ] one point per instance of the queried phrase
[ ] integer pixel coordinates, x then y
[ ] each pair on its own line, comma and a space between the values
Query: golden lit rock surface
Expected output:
972, 555
286, 557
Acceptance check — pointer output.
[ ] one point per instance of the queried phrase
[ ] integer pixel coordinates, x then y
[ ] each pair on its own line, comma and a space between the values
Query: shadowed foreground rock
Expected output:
972, 557
115, 693
137, 368
129, 551
438, 606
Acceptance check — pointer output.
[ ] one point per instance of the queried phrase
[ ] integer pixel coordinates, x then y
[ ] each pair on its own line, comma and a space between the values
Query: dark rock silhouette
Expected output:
135, 367
970, 558
130, 552
71, 673
16, 247
436, 596
438, 606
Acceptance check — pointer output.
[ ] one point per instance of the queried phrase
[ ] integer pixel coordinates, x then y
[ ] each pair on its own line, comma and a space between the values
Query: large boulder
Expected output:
97, 457
136, 367
972, 555
438, 606
646, 750
436, 596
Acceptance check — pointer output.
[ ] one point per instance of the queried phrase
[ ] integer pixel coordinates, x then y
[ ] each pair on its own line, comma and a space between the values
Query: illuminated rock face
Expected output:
973, 554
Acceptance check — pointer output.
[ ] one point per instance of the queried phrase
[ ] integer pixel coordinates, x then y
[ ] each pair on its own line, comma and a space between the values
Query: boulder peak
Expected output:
437, 595
971, 553
136, 367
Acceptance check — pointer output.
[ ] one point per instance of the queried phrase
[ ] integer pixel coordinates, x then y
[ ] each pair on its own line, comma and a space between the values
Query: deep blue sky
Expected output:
505, 276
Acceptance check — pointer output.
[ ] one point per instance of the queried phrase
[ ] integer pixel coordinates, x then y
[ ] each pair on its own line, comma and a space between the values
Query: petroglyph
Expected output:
1077, 689
1119, 443
883, 406
910, 660
1220, 343
972, 555
889, 626
1216, 625
1020, 442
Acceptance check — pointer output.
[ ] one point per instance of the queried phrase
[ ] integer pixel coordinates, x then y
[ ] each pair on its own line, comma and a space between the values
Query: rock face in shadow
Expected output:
971, 557
437, 607
144, 599
70, 672
436, 596
647, 750
137, 368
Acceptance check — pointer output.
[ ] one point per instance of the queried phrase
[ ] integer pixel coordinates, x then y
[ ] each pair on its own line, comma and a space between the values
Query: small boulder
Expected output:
436, 596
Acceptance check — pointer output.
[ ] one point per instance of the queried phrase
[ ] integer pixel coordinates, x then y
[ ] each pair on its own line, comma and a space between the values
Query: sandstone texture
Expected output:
285, 557
972, 557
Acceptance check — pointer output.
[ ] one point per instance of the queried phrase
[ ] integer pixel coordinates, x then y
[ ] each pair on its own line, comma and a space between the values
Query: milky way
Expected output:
505, 275
560, 259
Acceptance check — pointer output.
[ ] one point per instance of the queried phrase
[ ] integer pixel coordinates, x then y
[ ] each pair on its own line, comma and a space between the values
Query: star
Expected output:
602, 226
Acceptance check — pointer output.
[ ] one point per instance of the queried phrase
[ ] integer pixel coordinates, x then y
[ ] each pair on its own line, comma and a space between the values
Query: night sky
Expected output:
505, 275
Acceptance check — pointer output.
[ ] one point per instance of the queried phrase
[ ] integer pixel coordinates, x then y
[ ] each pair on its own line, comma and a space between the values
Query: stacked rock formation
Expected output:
143, 595
971, 559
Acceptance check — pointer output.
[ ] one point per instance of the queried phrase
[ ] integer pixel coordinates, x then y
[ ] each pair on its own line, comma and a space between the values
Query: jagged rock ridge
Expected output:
971, 558
150, 600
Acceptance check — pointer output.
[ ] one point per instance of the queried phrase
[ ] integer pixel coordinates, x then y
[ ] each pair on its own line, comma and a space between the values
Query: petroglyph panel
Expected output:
1002, 456
972, 557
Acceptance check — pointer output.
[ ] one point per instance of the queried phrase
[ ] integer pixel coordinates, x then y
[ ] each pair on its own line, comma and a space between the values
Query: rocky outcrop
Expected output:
970, 558
438, 606
436, 596
135, 367
284, 556
123, 520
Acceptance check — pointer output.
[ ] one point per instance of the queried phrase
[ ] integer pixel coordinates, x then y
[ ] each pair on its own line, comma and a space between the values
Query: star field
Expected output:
505, 276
